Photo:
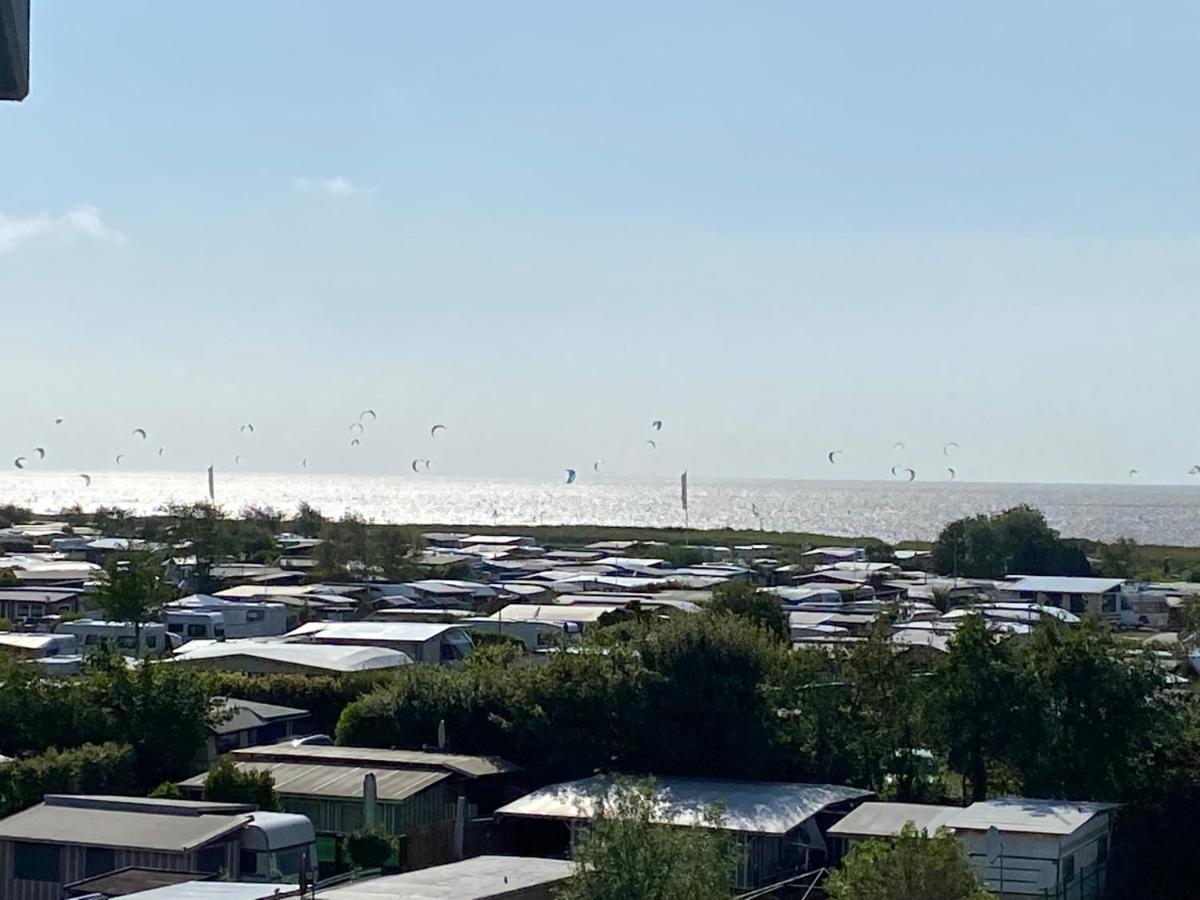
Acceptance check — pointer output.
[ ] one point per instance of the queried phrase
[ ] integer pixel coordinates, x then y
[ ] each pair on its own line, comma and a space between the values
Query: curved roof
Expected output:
761, 807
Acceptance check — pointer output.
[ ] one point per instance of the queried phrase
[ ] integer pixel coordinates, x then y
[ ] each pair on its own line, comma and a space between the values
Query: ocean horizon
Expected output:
892, 511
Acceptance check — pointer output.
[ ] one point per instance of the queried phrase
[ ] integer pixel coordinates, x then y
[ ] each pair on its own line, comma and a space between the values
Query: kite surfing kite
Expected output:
570, 476
139, 432
953, 474
435, 429
120, 456
40, 451
19, 462
368, 412
946, 447
247, 427
656, 424
87, 479
652, 445
833, 455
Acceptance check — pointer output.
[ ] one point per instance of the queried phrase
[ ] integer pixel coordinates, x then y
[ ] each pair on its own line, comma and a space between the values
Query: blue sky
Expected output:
780, 227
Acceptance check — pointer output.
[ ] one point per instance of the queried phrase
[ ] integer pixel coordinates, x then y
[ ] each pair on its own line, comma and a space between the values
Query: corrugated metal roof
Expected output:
380, 758
341, 782
472, 879
761, 807
886, 819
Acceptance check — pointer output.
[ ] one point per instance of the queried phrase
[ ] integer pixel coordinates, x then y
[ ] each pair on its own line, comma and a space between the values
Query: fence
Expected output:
1089, 883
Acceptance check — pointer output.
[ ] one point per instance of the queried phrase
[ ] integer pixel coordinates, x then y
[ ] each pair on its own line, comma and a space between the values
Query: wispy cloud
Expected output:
329, 187
81, 222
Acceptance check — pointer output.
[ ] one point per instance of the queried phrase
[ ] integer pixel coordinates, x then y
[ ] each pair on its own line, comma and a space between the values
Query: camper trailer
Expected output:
194, 624
91, 634
240, 618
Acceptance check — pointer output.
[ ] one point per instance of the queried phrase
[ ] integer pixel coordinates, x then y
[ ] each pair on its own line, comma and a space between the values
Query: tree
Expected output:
307, 521
914, 864
626, 854
168, 790
879, 713
1118, 559
1016, 541
226, 783
370, 848
1104, 717
757, 607
972, 703
133, 589
164, 711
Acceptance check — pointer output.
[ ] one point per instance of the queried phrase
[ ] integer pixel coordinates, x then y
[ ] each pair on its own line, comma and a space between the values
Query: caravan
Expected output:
239, 619
91, 634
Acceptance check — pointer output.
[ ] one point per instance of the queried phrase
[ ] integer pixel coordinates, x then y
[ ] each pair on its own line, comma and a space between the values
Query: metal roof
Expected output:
239, 715
379, 758
328, 657
1020, 814
170, 826
472, 879
341, 782
399, 632
216, 890
549, 612
873, 819
1054, 584
761, 807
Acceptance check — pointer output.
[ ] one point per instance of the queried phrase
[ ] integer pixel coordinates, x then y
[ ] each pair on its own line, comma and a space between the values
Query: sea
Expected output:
1151, 514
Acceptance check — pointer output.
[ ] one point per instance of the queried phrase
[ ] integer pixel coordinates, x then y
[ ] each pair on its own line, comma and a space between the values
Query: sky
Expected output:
781, 228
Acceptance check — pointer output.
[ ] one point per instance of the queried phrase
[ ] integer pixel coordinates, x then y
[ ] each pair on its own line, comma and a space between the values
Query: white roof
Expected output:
335, 658
846, 552
214, 890
762, 807
399, 632
805, 619
915, 637
1027, 816
873, 819
27, 641
1053, 584
549, 612
472, 879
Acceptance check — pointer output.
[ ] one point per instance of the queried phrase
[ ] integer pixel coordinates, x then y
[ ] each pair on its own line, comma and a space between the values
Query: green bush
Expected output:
89, 769
370, 848
226, 783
